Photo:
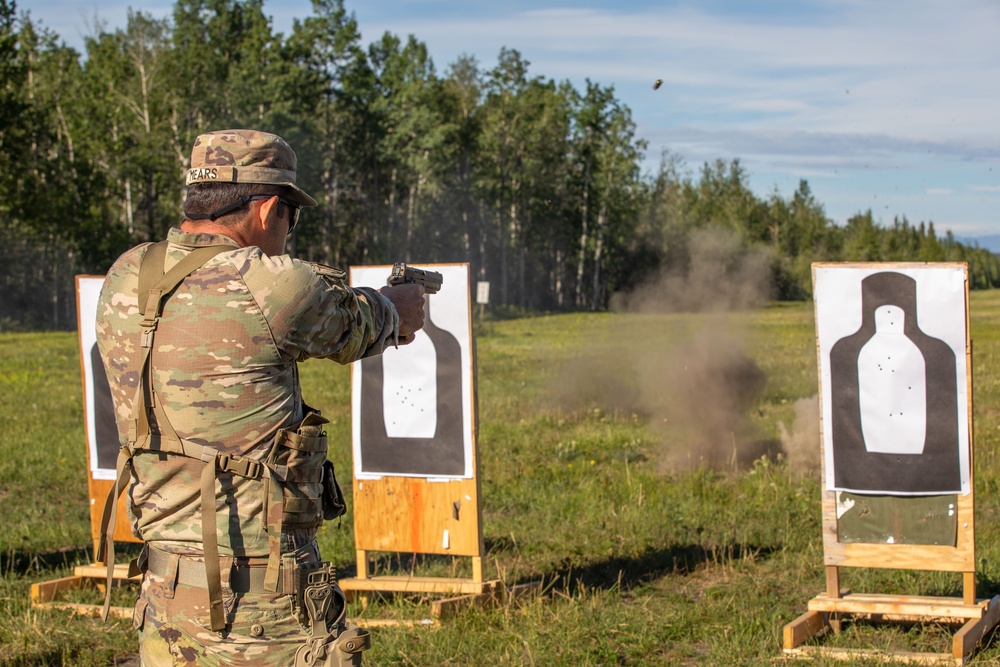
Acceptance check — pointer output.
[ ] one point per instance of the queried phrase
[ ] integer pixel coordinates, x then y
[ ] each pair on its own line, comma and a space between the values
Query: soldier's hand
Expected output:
409, 302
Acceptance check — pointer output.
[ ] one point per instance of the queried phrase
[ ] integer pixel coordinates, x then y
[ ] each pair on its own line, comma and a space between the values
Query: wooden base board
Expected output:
901, 658
395, 622
406, 584
978, 620
925, 607
450, 607
469, 593
46, 593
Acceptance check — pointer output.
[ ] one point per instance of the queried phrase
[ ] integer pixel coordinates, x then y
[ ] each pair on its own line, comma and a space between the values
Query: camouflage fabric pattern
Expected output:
245, 156
173, 624
224, 370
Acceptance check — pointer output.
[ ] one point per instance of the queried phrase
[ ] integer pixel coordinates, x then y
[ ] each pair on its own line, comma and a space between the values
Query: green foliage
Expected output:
794, 233
640, 564
534, 182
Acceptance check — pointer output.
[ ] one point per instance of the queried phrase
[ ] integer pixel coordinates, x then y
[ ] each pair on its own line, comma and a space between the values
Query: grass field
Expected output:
656, 472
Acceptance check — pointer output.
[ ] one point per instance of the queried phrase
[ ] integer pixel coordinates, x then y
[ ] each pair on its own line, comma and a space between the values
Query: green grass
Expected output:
593, 481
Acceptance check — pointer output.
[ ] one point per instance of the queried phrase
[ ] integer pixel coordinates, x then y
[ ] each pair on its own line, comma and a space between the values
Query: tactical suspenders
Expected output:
296, 457
155, 287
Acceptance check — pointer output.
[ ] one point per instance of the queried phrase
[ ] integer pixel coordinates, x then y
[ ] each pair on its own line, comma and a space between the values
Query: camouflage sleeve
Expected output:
386, 323
117, 323
313, 313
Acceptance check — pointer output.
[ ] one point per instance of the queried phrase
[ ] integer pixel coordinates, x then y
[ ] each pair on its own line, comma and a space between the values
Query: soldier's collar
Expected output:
196, 239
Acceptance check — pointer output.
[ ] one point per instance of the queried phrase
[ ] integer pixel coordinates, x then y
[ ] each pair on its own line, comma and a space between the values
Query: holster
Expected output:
334, 642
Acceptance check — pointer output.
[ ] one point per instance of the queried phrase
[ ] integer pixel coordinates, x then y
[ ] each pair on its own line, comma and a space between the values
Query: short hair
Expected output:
204, 198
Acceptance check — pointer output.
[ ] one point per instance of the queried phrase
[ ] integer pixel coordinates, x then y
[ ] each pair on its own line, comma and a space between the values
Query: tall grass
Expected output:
642, 562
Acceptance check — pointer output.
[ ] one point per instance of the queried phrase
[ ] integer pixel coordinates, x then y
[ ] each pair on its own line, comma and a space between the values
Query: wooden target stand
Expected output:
413, 515
47, 593
975, 617
94, 576
422, 515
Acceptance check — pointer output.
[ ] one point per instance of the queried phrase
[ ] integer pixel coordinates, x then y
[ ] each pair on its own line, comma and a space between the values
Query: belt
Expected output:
244, 577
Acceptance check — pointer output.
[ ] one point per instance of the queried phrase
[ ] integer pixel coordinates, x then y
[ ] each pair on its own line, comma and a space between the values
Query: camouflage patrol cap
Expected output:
245, 156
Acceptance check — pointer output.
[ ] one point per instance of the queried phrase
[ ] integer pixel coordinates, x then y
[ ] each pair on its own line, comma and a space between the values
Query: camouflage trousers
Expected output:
173, 624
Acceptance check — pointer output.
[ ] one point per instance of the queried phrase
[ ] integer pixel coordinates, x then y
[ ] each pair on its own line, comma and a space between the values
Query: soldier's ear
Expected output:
267, 212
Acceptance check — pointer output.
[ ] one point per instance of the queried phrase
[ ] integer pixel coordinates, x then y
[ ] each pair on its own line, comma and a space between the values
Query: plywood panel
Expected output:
409, 514
98, 492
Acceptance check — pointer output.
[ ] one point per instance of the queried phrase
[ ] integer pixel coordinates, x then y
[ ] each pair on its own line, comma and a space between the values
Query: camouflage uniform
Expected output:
223, 369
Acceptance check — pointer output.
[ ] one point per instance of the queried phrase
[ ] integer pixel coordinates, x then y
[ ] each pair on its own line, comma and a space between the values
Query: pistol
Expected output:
403, 274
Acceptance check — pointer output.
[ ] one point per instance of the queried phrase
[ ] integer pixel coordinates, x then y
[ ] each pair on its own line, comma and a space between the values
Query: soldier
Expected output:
226, 466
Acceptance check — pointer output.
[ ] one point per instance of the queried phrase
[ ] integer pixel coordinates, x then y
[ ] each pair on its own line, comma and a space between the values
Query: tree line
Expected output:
536, 183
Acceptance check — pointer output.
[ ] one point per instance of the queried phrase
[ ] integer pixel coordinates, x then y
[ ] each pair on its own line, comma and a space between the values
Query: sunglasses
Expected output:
243, 201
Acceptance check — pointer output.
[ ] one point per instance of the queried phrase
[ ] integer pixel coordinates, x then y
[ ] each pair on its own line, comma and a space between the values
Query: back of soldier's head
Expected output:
227, 165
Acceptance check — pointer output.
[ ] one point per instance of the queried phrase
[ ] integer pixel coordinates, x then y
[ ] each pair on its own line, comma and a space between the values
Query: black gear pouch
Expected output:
333, 498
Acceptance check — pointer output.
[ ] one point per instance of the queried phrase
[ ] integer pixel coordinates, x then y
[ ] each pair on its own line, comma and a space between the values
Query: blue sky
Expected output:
887, 105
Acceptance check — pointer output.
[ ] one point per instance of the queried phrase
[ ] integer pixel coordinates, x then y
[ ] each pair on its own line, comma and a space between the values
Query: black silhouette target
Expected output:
894, 394
412, 405
102, 432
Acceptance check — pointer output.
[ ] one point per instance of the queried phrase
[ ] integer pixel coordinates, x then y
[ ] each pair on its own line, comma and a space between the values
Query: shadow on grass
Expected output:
630, 572
37, 562
987, 585
623, 572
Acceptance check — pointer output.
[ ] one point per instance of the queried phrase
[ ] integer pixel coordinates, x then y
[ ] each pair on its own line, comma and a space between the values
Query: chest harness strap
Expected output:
155, 287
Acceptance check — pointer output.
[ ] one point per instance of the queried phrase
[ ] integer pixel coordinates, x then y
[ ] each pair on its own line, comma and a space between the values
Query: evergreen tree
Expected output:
536, 184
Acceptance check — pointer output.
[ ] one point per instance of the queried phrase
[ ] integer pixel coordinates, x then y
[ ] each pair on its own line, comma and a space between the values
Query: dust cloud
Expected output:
690, 377
801, 444
720, 276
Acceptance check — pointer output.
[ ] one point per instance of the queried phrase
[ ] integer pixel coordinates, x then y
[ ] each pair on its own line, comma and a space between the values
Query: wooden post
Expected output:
362, 561
969, 587
832, 581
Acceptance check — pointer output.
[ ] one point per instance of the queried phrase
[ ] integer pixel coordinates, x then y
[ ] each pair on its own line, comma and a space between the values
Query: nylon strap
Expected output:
155, 286
274, 527
106, 546
153, 260
247, 573
210, 546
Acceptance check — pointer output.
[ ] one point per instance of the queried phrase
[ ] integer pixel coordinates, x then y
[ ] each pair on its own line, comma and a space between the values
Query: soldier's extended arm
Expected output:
403, 274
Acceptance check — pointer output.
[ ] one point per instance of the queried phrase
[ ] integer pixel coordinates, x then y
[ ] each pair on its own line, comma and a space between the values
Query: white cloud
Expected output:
848, 149
922, 69
773, 105
936, 192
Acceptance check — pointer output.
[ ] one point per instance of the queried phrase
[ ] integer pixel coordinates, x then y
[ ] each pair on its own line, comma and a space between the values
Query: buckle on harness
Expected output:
239, 465
148, 328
